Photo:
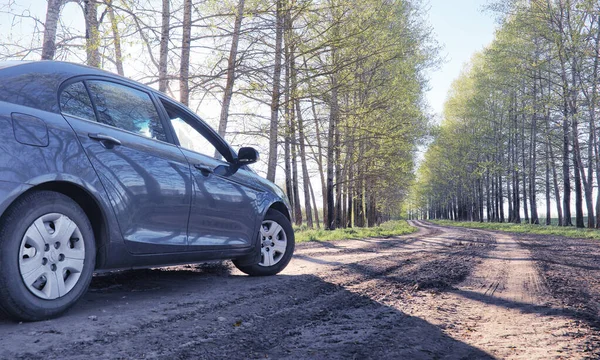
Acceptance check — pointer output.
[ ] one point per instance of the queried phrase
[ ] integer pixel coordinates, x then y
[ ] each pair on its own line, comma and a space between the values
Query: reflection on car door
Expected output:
224, 209
148, 180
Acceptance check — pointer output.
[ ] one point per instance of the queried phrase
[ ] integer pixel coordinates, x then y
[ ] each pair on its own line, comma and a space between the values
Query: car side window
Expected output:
126, 108
75, 101
189, 137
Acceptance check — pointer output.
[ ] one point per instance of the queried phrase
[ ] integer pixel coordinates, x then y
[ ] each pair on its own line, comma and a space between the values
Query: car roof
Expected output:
36, 83
58, 68
8, 63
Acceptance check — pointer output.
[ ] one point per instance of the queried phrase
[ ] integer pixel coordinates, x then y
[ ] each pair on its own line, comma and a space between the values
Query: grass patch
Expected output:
571, 232
390, 228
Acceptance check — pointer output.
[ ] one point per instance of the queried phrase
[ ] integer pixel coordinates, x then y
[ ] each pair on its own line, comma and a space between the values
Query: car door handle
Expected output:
205, 170
107, 141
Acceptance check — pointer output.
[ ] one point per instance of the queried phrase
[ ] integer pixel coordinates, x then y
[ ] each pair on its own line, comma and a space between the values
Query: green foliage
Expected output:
387, 229
571, 232
375, 54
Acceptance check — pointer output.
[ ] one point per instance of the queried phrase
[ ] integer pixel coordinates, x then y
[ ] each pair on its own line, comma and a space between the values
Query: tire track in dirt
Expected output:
506, 308
439, 293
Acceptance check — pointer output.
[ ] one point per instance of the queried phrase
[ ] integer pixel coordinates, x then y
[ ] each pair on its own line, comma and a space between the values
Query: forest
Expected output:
519, 125
330, 91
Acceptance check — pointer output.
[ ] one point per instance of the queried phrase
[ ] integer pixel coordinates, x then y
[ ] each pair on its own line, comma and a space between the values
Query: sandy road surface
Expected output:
441, 293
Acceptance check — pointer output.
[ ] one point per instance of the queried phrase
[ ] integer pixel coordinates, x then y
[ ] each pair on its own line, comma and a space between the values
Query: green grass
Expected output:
571, 232
390, 228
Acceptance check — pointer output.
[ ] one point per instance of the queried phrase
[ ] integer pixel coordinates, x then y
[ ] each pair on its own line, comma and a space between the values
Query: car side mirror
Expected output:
247, 156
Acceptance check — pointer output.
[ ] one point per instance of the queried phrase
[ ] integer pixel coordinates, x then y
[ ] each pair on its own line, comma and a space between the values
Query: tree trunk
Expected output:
163, 82
333, 119
524, 164
578, 172
509, 192
334, 115
556, 187
272, 163
338, 177
290, 55
359, 214
50, 27
552, 159
316, 208
565, 167
547, 188
92, 34
567, 221
289, 185
480, 193
184, 70
516, 198
305, 175
500, 193
297, 206
287, 159
350, 193
489, 208
592, 111
116, 38
533, 165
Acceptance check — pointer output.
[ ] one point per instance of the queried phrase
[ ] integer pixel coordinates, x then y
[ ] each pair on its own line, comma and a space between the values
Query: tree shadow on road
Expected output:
301, 316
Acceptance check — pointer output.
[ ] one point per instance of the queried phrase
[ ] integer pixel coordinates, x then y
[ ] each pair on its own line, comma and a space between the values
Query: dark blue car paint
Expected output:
29, 130
150, 195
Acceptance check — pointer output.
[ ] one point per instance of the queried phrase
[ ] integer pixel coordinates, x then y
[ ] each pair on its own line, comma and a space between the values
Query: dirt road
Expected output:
441, 293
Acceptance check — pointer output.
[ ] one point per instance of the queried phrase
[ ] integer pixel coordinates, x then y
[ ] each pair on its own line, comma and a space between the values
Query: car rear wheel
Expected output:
276, 237
47, 256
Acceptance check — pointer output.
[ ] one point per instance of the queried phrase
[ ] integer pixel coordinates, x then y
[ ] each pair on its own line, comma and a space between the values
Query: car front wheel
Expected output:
276, 237
47, 256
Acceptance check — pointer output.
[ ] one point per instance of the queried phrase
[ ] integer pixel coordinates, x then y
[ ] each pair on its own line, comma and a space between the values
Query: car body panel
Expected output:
63, 152
224, 211
148, 183
62, 160
29, 130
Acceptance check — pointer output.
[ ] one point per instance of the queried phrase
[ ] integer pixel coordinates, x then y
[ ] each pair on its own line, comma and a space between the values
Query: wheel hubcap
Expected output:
51, 256
273, 243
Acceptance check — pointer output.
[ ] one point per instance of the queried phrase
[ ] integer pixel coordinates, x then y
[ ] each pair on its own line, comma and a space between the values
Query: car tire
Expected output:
44, 237
276, 237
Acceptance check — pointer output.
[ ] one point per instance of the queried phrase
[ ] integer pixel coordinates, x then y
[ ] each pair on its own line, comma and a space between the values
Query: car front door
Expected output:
147, 178
224, 207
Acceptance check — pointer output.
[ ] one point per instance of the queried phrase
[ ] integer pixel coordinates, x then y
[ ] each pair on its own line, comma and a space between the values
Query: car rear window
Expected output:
75, 101
126, 108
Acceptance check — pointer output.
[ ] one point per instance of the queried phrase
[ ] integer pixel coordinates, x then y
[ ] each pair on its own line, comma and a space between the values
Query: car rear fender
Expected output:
39, 147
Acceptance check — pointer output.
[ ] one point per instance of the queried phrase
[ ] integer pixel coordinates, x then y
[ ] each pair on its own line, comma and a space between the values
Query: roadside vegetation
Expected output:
520, 124
387, 229
570, 232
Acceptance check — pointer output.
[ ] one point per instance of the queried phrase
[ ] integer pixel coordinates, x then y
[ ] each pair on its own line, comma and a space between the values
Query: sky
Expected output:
462, 28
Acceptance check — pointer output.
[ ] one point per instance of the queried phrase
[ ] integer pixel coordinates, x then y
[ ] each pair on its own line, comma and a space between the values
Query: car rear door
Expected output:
224, 209
147, 178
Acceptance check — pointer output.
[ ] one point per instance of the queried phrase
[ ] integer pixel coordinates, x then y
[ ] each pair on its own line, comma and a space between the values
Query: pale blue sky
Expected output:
462, 28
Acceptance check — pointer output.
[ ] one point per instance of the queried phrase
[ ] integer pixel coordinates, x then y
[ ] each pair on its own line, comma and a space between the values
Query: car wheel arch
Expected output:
280, 207
88, 203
